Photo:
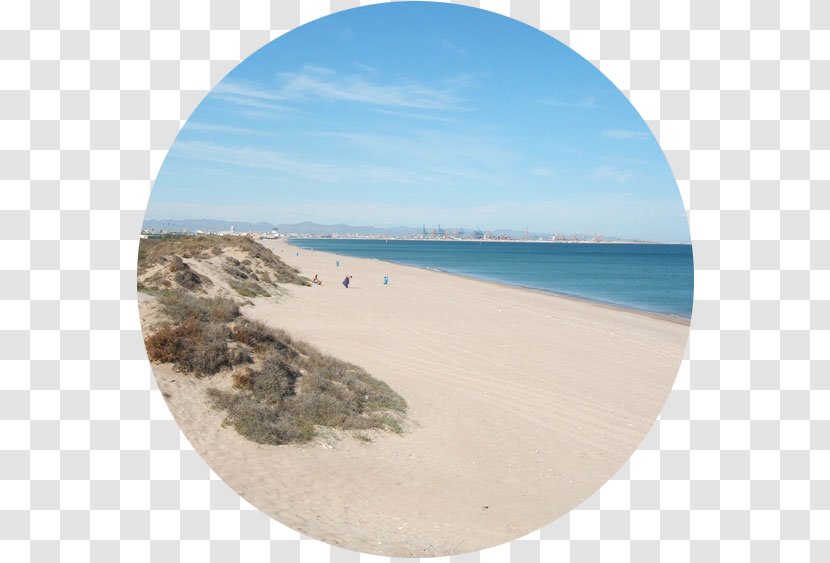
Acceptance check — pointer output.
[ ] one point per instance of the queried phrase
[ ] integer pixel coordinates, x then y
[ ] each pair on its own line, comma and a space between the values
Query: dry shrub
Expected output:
211, 353
239, 354
259, 336
166, 345
193, 346
294, 390
297, 389
242, 377
234, 268
355, 385
155, 251
321, 409
275, 379
190, 279
264, 423
184, 275
181, 306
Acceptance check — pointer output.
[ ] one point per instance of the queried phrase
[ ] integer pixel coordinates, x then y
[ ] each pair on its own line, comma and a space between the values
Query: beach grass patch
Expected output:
259, 336
297, 389
258, 265
282, 389
248, 288
261, 422
181, 306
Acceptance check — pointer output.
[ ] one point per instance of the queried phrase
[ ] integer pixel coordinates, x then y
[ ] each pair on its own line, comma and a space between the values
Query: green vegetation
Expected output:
284, 389
297, 388
181, 306
243, 279
248, 288
198, 339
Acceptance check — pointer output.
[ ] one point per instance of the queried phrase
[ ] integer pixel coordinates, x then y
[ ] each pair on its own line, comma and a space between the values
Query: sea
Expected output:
657, 278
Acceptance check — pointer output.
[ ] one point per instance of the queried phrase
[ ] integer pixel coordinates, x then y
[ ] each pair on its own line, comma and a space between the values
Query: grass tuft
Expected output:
300, 389
181, 306
282, 389
248, 288
204, 247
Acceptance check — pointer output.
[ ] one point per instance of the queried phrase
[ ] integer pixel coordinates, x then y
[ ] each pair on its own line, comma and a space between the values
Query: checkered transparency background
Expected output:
92, 466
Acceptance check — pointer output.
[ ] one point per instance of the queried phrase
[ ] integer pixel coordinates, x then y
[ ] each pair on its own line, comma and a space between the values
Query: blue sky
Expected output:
409, 113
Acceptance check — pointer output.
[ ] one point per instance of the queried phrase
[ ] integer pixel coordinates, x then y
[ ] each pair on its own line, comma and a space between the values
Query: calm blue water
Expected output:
651, 277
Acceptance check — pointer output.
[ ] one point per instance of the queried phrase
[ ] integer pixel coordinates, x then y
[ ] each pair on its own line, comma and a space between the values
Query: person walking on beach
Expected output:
346, 282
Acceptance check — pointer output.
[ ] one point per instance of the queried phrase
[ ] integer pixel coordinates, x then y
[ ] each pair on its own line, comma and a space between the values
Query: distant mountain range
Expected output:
304, 228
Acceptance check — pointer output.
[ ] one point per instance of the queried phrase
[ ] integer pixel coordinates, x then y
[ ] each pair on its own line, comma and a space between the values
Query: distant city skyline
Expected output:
309, 227
405, 113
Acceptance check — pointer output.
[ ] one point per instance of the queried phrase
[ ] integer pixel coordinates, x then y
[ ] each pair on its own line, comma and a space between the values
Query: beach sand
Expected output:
521, 404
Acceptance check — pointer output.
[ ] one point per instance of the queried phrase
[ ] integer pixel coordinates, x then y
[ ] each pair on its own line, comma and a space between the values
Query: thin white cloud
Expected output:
315, 83
458, 157
318, 69
282, 164
368, 69
311, 83
610, 173
626, 134
202, 126
248, 95
254, 158
450, 46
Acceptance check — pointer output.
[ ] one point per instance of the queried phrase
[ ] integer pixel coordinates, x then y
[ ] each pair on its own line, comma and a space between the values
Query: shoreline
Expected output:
521, 404
679, 319
537, 241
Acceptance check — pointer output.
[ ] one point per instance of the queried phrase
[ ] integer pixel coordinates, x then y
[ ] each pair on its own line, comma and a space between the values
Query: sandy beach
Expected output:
521, 404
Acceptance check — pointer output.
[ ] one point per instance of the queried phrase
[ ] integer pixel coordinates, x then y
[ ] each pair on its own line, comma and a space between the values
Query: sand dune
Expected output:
521, 404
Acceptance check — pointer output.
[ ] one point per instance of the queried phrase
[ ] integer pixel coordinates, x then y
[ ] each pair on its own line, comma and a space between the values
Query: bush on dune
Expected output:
193, 346
204, 247
264, 423
184, 275
298, 388
181, 306
248, 288
261, 337
283, 389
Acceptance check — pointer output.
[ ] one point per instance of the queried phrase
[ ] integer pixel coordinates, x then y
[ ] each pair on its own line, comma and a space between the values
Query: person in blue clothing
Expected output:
346, 282
385, 280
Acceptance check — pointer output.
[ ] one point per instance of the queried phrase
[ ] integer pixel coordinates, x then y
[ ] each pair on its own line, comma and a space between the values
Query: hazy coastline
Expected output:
675, 317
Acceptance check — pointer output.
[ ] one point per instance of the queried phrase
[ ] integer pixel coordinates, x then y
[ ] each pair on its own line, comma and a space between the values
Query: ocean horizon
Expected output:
651, 277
